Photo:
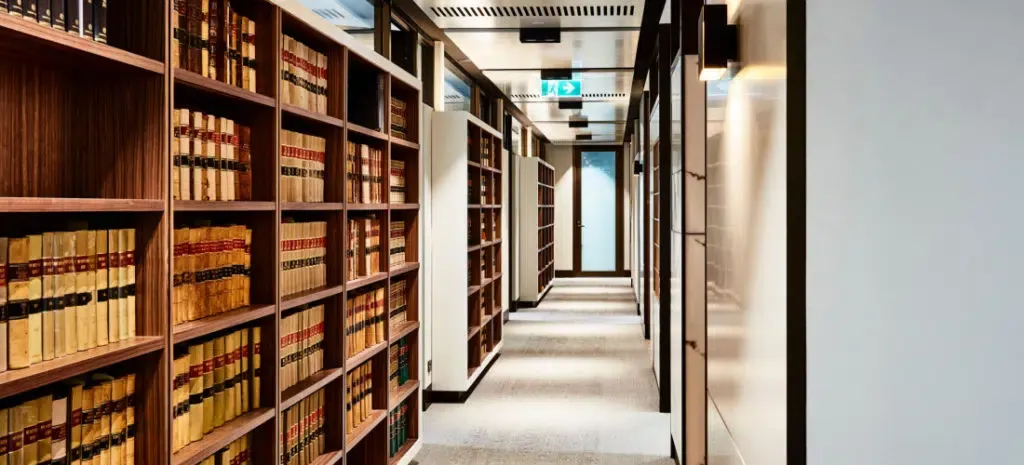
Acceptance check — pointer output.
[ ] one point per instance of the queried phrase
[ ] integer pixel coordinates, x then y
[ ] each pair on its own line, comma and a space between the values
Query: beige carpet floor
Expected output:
573, 386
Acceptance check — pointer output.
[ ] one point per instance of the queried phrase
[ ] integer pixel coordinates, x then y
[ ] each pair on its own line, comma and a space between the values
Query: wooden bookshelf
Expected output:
466, 178
536, 228
96, 149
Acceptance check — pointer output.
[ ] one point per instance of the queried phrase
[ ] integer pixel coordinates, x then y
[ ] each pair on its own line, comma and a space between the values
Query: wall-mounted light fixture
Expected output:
717, 42
584, 137
570, 104
638, 167
579, 123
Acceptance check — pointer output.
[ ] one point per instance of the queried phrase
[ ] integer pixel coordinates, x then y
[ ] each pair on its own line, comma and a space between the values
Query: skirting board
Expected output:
532, 303
672, 448
591, 274
504, 316
411, 453
458, 397
426, 396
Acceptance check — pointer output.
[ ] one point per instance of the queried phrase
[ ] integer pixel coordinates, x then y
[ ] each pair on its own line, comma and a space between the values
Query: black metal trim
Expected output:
642, 61
796, 232
665, 246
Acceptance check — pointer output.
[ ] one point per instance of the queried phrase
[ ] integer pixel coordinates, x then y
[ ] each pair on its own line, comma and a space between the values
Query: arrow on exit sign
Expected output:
562, 88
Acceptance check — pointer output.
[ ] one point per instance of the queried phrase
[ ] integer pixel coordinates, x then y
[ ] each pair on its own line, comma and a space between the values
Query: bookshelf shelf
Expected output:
40, 374
353, 127
198, 328
366, 354
221, 437
405, 450
352, 439
403, 392
38, 42
205, 84
216, 206
304, 388
405, 143
302, 298
536, 229
77, 205
473, 331
404, 330
87, 174
366, 281
312, 206
310, 116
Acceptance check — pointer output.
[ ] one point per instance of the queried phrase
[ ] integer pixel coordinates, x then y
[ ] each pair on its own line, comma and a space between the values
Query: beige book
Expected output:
35, 289
130, 270
58, 430
195, 391
102, 395
129, 448
205, 36
122, 278
16, 453
198, 139
59, 302
92, 295
191, 286
212, 142
50, 299
44, 404
178, 266
218, 382
68, 247
4, 278
252, 56
76, 396
208, 362
183, 144
29, 413
113, 285
227, 156
256, 363
117, 420
102, 291
18, 303
5, 434
236, 390
229, 377
244, 375
179, 393
86, 318
88, 423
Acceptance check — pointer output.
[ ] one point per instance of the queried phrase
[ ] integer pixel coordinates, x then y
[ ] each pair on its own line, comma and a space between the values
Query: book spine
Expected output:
213, 38
84, 320
252, 56
104, 411
125, 276
129, 448
100, 20
45, 12
229, 378
30, 419
18, 304
74, 16
179, 406
179, 34
58, 430
35, 315
100, 265
113, 285
224, 42
210, 164
88, 420
50, 298
244, 375
256, 364
117, 420
88, 24
204, 38
4, 277
30, 10
208, 360
44, 443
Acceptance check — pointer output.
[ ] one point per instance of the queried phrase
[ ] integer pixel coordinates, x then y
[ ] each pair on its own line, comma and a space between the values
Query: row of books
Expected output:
398, 194
364, 321
397, 243
215, 380
303, 76
398, 303
399, 364
302, 345
363, 255
399, 119
211, 157
484, 343
82, 421
303, 436
65, 292
303, 253
486, 154
236, 453
358, 396
212, 265
398, 429
209, 38
365, 168
302, 167
84, 18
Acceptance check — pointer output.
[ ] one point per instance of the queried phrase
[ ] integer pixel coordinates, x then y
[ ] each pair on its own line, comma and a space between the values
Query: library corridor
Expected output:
573, 385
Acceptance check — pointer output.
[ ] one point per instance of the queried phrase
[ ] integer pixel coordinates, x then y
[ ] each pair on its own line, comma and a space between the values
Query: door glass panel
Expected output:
598, 172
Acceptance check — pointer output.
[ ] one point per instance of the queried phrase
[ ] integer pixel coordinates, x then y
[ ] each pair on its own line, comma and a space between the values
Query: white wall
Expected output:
914, 230
747, 337
426, 245
560, 157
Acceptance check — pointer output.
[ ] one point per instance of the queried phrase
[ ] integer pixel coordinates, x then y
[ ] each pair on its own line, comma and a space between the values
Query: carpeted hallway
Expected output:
572, 386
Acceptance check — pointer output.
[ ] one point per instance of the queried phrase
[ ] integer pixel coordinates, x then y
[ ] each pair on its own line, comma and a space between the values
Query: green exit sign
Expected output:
562, 88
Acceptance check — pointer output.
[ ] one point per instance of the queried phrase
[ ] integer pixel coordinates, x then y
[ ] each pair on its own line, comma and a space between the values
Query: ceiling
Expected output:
598, 42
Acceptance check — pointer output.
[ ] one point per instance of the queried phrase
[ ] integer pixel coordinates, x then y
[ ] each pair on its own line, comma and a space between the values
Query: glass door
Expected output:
598, 213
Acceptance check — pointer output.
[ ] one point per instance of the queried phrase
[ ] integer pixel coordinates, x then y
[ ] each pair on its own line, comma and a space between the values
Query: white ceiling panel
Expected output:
578, 49
533, 13
593, 111
561, 132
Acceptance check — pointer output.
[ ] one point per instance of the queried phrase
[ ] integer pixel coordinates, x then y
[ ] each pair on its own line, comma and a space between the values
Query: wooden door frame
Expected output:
620, 179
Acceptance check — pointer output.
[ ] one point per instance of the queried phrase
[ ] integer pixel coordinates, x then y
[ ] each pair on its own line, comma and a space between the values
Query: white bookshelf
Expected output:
536, 230
468, 245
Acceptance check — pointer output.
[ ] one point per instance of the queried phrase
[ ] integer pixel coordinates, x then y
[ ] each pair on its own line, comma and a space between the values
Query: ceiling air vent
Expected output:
585, 95
533, 11
330, 14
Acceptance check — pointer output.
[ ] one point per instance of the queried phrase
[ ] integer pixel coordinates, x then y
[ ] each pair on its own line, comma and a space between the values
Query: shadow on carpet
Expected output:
434, 454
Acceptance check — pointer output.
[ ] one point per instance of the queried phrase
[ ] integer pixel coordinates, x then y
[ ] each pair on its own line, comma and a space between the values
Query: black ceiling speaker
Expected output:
570, 104
556, 74
716, 42
540, 35
584, 137
580, 123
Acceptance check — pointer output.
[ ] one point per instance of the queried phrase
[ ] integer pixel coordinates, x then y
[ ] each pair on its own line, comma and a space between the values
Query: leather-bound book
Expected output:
195, 392
58, 430
117, 420
98, 331
256, 364
204, 38
88, 26
35, 311
102, 283
44, 443
245, 377
75, 389
208, 383
58, 14
104, 409
179, 35
129, 264
50, 297
99, 18
19, 297
218, 381
129, 392
213, 39
86, 307
125, 283
74, 16
113, 285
